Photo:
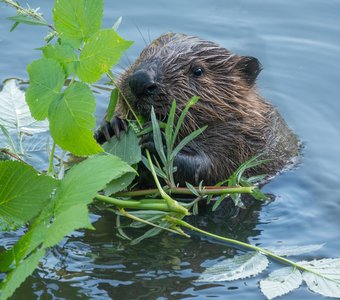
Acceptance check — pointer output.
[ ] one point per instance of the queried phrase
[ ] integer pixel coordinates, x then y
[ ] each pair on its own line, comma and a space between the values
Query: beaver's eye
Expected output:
198, 72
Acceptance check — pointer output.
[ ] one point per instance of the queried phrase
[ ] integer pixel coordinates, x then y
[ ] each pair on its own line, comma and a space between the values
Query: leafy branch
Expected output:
28, 16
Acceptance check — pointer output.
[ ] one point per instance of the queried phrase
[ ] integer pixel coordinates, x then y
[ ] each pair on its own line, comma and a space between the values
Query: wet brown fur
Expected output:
240, 123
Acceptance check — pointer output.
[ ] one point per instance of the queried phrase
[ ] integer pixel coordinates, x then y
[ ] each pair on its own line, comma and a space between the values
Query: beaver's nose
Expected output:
142, 83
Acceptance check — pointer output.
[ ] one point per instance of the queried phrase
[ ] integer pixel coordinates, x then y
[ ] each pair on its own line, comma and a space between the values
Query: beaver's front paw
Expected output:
109, 129
147, 142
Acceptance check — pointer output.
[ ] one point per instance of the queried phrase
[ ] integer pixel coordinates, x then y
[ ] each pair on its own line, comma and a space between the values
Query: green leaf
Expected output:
84, 180
25, 19
120, 183
192, 189
238, 267
169, 129
160, 173
100, 53
66, 212
186, 140
15, 278
112, 105
72, 120
64, 54
23, 193
77, 20
47, 77
151, 232
190, 103
157, 137
67, 221
127, 147
15, 25
219, 201
281, 282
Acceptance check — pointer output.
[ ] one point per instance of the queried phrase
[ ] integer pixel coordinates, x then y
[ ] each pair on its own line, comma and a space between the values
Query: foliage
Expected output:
54, 208
321, 276
83, 50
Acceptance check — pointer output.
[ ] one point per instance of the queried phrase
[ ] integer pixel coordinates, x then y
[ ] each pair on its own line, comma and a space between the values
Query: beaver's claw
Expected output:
109, 129
147, 142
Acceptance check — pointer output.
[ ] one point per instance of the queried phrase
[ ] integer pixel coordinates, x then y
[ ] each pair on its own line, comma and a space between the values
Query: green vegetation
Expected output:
52, 204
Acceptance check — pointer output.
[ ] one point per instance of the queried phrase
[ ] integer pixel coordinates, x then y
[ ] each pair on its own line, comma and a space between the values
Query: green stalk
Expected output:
147, 204
242, 244
185, 191
172, 204
126, 214
28, 12
125, 100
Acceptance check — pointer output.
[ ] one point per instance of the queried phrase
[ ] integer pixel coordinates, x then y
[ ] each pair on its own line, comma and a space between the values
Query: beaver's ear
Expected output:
250, 67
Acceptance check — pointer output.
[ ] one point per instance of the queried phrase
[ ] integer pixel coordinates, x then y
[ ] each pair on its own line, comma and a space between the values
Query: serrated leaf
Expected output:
327, 280
295, 250
77, 20
83, 181
120, 183
15, 278
15, 117
281, 282
127, 147
64, 54
72, 120
66, 212
23, 193
47, 77
65, 222
100, 53
238, 267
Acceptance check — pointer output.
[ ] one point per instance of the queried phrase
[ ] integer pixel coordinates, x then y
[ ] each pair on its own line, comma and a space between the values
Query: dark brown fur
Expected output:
240, 123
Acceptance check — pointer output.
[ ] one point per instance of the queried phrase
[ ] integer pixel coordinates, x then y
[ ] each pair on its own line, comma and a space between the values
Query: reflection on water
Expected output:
298, 43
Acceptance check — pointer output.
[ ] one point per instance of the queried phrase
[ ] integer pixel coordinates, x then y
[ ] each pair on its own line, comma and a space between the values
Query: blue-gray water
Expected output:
298, 43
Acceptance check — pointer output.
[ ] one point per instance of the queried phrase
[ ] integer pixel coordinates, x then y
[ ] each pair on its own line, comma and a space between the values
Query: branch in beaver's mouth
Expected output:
144, 109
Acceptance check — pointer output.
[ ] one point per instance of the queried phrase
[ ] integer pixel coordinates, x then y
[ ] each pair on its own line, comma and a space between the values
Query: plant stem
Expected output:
145, 204
238, 243
209, 190
28, 12
170, 202
126, 101
126, 214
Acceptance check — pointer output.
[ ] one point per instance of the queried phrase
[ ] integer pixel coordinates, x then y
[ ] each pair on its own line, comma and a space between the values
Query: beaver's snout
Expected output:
142, 83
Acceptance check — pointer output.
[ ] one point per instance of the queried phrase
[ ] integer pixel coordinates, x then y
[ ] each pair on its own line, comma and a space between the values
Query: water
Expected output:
298, 43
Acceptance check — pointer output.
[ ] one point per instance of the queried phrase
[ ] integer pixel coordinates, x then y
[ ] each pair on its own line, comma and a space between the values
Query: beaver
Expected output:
241, 124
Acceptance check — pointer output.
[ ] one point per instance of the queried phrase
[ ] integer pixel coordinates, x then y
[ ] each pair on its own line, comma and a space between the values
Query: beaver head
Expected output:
177, 66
